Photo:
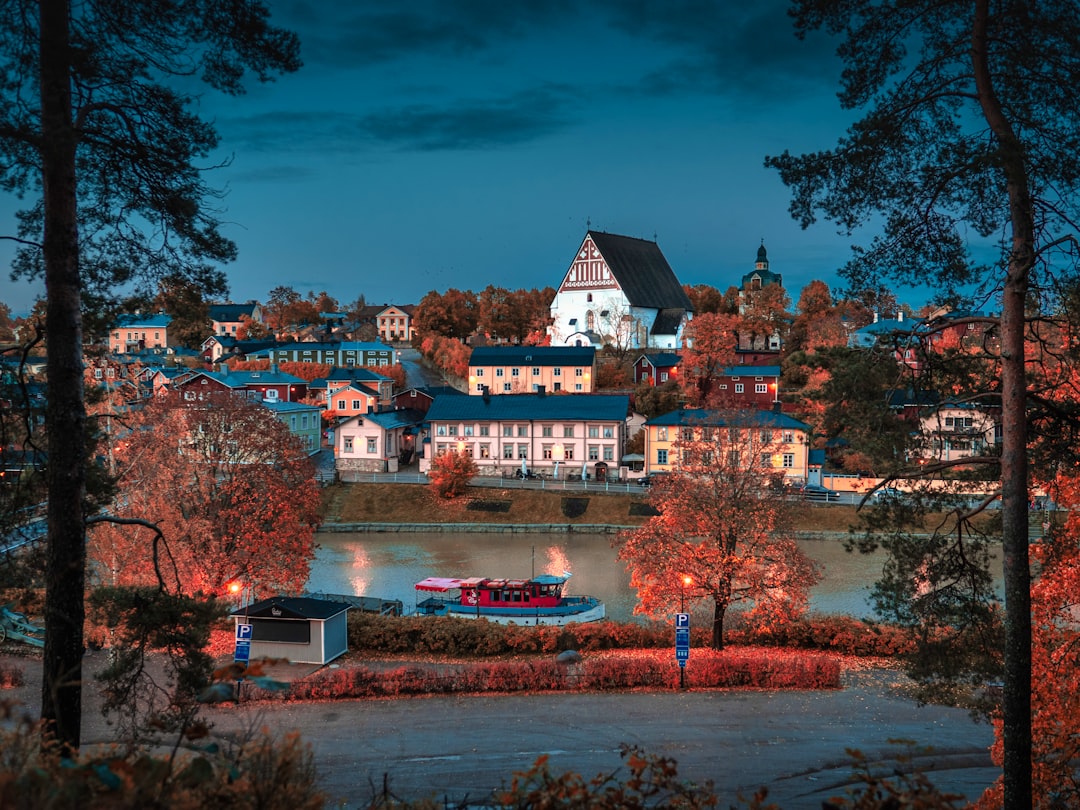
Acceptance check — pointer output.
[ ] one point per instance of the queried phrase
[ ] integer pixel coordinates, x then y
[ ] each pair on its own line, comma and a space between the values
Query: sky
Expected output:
461, 143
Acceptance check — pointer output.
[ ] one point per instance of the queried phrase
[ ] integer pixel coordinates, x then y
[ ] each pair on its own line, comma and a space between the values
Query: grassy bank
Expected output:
414, 503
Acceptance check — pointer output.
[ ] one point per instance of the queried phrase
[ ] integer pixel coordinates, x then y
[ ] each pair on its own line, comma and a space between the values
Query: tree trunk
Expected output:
65, 420
719, 609
1016, 699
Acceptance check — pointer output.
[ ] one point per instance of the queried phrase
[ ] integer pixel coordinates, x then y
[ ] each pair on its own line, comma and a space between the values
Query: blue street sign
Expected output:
243, 632
682, 635
682, 663
243, 652
682, 620
682, 653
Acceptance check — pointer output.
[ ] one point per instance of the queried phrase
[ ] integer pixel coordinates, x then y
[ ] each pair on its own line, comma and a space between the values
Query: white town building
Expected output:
619, 291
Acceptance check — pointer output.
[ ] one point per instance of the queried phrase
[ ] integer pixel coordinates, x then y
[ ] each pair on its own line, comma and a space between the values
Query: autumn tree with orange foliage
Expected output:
1055, 701
230, 489
711, 343
451, 473
721, 524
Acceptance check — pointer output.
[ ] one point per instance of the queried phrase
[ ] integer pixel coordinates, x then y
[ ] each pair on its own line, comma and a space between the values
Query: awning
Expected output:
443, 584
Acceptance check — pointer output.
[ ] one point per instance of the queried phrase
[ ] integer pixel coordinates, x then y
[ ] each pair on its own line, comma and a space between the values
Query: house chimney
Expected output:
486, 394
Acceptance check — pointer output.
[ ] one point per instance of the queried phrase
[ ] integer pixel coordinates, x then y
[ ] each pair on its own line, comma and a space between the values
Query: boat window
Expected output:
525, 598
495, 596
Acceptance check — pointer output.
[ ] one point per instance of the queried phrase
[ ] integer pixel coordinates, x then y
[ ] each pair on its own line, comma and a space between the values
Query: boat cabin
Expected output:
479, 592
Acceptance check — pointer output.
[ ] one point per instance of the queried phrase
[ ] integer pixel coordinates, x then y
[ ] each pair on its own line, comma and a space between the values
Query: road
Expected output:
793, 742
417, 375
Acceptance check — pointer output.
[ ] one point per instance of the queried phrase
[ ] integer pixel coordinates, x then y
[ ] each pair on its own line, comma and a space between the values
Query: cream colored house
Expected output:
778, 443
554, 436
530, 369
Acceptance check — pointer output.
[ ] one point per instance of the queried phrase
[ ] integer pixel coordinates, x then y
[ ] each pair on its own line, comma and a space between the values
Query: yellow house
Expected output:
777, 443
531, 369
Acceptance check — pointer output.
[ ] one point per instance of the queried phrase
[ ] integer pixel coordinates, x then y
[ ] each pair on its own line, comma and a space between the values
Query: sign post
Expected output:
682, 645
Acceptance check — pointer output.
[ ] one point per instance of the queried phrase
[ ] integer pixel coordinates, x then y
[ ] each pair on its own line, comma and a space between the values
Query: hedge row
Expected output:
710, 670
469, 637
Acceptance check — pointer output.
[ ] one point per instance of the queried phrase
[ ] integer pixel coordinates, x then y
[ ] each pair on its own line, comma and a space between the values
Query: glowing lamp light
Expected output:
461, 447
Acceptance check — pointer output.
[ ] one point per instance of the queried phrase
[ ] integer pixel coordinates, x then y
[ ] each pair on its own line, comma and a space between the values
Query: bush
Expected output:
444, 635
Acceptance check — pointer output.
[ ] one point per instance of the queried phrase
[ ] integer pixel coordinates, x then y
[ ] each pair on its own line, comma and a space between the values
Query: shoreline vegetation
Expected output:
393, 507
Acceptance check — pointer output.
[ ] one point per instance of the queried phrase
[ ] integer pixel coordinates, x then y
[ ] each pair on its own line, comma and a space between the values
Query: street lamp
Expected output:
684, 642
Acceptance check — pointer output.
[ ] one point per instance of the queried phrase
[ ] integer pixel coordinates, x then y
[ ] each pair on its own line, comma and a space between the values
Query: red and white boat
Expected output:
538, 600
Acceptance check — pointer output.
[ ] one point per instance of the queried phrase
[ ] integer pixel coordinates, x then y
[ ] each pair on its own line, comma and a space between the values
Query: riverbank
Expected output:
403, 507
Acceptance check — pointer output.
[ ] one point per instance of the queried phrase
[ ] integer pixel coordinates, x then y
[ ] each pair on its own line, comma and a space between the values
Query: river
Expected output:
389, 565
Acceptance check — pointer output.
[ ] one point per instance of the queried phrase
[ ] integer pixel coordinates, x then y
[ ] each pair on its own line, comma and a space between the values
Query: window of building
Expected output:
547, 451
469, 430
579, 372
594, 431
766, 459
738, 388
661, 456
508, 451
547, 431
609, 432
523, 430
568, 431
579, 387
761, 388
480, 387
515, 372
506, 387
766, 436
663, 376
536, 371
523, 451
508, 430
556, 386
485, 430
568, 453
789, 460
356, 404
557, 372
485, 451
609, 453
498, 372
479, 372
788, 437
372, 445
594, 452
348, 444
661, 434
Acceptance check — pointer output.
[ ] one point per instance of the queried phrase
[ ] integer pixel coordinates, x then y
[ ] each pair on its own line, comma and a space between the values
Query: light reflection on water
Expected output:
389, 565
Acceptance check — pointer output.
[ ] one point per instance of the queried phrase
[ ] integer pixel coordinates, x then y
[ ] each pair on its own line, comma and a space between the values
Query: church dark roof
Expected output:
643, 273
667, 322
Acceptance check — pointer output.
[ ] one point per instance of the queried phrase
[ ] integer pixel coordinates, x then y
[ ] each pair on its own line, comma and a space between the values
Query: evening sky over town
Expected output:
461, 143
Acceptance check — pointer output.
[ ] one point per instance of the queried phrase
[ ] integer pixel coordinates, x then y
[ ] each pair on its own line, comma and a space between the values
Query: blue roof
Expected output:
279, 406
701, 416
159, 320
752, 371
344, 346
506, 407
532, 355
388, 420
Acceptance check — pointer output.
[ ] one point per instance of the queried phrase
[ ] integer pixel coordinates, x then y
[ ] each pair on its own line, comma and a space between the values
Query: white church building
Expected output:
619, 291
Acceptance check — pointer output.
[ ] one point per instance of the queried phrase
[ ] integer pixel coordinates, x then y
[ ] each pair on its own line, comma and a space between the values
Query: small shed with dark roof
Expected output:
301, 629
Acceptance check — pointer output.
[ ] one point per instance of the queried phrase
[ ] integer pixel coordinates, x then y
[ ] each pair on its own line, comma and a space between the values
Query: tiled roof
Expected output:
225, 313
667, 322
752, 371
701, 416
662, 359
643, 273
532, 355
507, 407
159, 320
388, 420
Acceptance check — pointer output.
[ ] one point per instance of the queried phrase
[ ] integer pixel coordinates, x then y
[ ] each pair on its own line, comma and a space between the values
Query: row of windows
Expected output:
550, 452
522, 431
786, 460
686, 434
516, 372
508, 387
372, 445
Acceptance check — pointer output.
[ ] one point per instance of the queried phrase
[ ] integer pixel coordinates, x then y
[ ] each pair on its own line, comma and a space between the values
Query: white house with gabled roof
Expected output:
619, 291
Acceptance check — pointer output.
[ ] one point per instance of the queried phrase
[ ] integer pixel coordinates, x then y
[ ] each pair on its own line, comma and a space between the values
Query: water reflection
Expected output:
388, 565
